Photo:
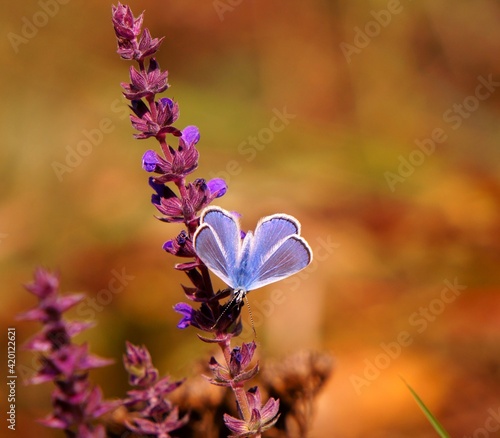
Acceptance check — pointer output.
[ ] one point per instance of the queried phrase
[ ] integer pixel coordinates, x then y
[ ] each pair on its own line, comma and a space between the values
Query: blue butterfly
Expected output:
274, 252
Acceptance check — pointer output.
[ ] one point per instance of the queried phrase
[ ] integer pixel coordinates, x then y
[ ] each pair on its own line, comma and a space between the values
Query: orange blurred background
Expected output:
407, 237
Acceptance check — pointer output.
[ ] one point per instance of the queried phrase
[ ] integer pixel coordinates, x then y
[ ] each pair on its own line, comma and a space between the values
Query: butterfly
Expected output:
273, 252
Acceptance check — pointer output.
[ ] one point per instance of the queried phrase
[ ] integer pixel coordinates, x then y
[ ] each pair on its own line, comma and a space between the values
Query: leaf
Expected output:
435, 423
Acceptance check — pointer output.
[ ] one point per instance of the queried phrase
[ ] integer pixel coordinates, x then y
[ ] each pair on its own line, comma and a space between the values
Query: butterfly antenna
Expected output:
226, 308
251, 316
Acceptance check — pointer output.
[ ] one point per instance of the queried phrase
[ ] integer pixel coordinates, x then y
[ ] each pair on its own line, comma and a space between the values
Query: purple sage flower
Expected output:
155, 415
262, 417
127, 30
145, 83
181, 246
191, 135
76, 403
235, 374
137, 361
156, 122
217, 187
180, 201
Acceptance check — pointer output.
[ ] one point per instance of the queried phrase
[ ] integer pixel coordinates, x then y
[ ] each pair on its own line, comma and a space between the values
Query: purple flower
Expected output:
234, 374
125, 24
181, 246
191, 135
211, 316
155, 414
178, 165
68, 360
188, 315
153, 394
80, 409
127, 29
75, 402
51, 305
197, 196
150, 161
139, 366
169, 205
217, 187
155, 124
147, 46
162, 429
55, 335
262, 417
168, 112
145, 83
241, 358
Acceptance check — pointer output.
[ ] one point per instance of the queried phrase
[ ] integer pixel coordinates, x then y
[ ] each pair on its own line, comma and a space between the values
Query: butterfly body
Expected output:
275, 251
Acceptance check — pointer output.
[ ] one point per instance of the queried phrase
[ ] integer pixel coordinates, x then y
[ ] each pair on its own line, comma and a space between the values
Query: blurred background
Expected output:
374, 123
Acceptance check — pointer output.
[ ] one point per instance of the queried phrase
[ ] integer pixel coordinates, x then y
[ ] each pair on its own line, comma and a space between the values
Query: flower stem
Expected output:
239, 391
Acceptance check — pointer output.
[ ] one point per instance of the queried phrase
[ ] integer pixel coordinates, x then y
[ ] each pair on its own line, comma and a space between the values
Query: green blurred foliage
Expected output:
354, 122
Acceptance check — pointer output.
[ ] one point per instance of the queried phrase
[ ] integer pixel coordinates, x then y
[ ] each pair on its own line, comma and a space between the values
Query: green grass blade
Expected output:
435, 423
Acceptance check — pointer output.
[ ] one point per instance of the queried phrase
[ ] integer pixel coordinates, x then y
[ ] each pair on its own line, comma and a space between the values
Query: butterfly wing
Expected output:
277, 251
271, 230
217, 241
